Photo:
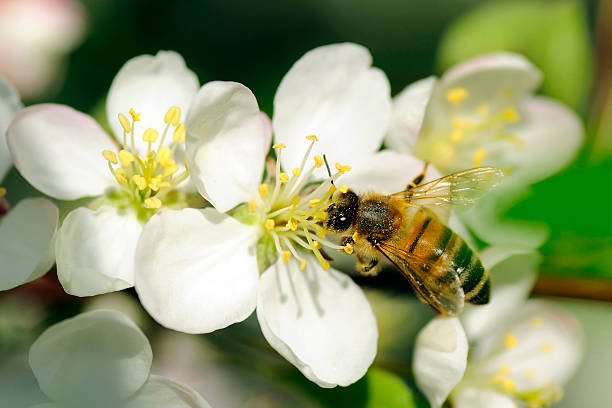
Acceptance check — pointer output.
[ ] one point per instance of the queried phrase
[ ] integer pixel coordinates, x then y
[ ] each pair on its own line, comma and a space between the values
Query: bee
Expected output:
408, 230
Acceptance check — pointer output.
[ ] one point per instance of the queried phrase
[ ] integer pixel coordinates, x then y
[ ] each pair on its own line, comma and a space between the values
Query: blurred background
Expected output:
85, 43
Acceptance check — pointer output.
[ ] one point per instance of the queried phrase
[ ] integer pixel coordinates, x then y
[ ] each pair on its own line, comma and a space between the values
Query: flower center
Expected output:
290, 209
146, 180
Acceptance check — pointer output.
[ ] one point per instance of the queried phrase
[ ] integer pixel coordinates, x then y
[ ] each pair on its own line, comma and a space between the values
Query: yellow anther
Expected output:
140, 181
179, 133
456, 95
295, 199
536, 322
510, 340
125, 123
483, 109
355, 236
456, 135
153, 202
320, 232
458, 121
165, 184
342, 168
121, 177
504, 369
314, 202
302, 264
286, 256
150, 135
508, 385
296, 172
126, 158
283, 177
110, 156
263, 190
173, 115
292, 224
511, 115
2, 192
316, 245
325, 265
278, 146
318, 161
343, 189
252, 206
546, 347
170, 169
135, 116
320, 216
312, 137
332, 189
479, 156
348, 248
154, 183
164, 156
269, 224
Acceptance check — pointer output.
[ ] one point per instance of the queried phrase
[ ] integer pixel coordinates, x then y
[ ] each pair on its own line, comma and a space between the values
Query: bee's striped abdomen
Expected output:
434, 242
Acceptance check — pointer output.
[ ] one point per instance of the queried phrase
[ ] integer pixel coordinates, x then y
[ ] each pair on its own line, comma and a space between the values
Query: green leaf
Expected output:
552, 34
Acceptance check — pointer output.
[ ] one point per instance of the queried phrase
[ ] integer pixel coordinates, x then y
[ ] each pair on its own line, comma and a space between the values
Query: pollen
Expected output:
479, 156
312, 137
150, 135
140, 181
296, 199
511, 115
342, 168
110, 156
164, 157
510, 340
173, 116
269, 224
456, 95
292, 224
283, 177
153, 202
286, 256
125, 157
348, 248
318, 161
302, 264
252, 206
121, 177
343, 189
325, 265
508, 385
125, 123
135, 116
279, 146
263, 190
316, 245
314, 202
456, 135
179, 134
320, 232
296, 172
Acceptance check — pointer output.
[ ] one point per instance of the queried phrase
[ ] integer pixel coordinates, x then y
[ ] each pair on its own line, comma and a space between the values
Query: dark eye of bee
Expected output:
341, 215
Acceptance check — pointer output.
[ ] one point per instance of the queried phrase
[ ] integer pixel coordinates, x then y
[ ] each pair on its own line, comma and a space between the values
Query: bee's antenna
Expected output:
327, 166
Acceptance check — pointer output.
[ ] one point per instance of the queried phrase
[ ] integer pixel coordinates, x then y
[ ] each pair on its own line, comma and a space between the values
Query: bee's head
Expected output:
342, 211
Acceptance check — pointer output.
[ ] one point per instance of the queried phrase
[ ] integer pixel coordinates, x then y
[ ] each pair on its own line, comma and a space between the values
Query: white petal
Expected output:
225, 143
161, 392
150, 85
334, 93
481, 398
196, 271
9, 106
547, 349
94, 250
318, 320
551, 135
26, 234
513, 271
408, 112
91, 356
386, 172
440, 358
59, 151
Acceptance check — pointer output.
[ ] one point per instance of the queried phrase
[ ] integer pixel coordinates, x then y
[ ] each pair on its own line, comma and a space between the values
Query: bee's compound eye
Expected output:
339, 221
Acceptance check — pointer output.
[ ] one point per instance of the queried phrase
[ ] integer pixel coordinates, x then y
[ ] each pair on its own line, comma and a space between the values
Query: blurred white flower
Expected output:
522, 353
102, 359
483, 112
27, 230
35, 37
66, 155
199, 271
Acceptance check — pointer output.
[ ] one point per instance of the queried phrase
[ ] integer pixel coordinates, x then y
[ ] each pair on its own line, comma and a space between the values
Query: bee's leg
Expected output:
418, 179
368, 266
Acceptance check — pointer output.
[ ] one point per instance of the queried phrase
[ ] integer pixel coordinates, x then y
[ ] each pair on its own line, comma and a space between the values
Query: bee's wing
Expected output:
461, 189
440, 287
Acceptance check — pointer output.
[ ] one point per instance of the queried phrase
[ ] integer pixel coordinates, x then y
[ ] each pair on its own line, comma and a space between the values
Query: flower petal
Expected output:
334, 93
26, 236
408, 112
93, 356
150, 85
59, 151
196, 271
9, 106
164, 393
95, 250
320, 321
550, 135
481, 398
225, 143
513, 271
440, 358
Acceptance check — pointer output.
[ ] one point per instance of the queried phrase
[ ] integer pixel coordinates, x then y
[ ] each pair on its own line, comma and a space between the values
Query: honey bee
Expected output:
407, 229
